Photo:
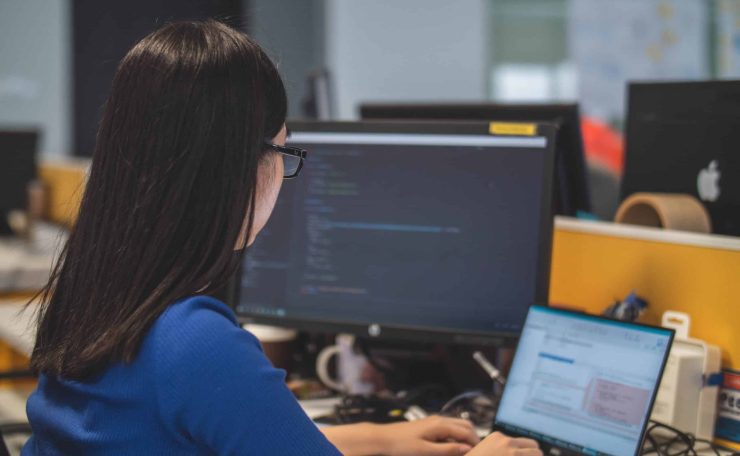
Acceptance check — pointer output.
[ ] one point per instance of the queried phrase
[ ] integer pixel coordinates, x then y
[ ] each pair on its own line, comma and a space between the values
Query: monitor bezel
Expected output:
408, 332
600, 318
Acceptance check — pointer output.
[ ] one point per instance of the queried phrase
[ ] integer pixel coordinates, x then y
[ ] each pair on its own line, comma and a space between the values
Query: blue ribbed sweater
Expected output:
199, 385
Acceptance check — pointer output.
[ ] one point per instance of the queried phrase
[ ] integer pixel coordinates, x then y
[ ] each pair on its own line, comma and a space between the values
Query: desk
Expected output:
17, 329
16, 326
319, 407
315, 408
25, 266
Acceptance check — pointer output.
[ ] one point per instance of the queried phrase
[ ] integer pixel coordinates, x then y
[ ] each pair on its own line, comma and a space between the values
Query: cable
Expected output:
666, 440
478, 407
490, 369
379, 366
385, 407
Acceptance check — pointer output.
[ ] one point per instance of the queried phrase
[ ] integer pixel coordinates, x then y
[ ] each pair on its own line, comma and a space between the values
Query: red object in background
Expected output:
732, 380
603, 144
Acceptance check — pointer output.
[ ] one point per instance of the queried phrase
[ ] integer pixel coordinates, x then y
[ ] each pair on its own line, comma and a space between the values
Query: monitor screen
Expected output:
583, 383
571, 192
406, 233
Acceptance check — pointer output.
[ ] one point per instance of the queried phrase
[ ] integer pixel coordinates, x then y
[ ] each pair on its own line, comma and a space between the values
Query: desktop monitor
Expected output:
17, 170
683, 137
436, 231
571, 191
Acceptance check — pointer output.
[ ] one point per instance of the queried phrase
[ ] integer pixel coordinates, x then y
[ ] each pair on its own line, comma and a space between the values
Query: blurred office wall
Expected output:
410, 50
380, 50
292, 32
35, 70
55, 75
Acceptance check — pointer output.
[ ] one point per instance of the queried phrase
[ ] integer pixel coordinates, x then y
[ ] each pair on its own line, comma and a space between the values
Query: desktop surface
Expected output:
409, 232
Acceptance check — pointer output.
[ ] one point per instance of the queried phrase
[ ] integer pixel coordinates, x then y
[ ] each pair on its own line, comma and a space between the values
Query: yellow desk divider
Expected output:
596, 263
64, 180
11, 360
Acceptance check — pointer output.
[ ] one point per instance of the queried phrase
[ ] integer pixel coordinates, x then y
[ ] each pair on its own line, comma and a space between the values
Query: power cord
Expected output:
666, 440
478, 407
386, 407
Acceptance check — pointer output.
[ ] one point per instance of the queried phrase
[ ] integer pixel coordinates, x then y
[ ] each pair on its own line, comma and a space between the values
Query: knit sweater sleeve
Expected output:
216, 388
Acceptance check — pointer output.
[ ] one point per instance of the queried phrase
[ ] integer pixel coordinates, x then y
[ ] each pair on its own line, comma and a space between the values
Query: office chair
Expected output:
13, 429
9, 429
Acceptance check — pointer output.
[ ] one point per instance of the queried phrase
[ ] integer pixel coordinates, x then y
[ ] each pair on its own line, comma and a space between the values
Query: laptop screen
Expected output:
583, 383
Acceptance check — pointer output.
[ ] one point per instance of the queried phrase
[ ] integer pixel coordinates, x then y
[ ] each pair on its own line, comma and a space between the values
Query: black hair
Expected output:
171, 184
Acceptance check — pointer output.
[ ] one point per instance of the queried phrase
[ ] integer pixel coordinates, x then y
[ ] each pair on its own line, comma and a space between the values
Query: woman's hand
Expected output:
498, 444
434, 436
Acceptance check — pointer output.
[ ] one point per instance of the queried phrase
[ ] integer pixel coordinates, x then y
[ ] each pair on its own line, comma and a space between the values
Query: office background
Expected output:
503, 50
57, 58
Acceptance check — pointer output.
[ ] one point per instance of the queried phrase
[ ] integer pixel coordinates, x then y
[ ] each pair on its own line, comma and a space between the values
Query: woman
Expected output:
133, 357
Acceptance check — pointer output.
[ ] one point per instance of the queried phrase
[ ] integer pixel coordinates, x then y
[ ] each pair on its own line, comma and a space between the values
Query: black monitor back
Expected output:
17, 169
684, 137
571, 193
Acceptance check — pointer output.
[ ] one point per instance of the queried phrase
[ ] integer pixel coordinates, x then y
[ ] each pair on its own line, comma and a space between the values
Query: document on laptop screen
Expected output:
583, 383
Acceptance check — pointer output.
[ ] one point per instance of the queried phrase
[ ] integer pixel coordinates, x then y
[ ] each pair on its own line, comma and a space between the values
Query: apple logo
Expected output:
707, 182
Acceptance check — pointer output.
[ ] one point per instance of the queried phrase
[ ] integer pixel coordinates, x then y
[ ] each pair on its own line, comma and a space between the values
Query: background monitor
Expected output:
684, 137
435, 231
17, 170
571, 190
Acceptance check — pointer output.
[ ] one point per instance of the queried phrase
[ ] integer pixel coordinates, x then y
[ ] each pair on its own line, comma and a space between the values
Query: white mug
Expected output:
350, 366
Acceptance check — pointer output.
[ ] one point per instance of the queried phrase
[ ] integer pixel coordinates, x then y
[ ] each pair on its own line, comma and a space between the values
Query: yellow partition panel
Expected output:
64, 181
595, 263
11, 360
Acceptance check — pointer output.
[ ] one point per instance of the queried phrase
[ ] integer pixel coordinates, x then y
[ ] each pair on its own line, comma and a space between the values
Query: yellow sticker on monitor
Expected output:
512, 129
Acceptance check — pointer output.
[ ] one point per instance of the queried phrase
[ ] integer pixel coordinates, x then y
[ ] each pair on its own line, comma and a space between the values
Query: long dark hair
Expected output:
172, 181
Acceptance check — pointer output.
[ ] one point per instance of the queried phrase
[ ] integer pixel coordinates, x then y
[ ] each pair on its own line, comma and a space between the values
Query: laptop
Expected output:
684, 137
581, 384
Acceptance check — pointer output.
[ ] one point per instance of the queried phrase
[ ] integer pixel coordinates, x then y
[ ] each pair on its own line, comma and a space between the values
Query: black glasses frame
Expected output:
293, 152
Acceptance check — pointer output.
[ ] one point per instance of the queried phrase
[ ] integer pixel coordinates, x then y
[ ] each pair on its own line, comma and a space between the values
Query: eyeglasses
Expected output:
292, 159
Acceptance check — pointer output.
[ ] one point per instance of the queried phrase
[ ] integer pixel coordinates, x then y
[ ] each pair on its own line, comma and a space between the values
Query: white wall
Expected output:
405, 50
35, 69
291, 31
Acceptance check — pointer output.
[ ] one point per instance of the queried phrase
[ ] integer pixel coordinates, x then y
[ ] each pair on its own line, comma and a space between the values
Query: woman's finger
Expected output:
446, 429
446, 449
520, 442
528, 452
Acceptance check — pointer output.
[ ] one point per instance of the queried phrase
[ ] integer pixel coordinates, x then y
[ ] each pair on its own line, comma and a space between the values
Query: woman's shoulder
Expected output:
199, 328
199, 311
